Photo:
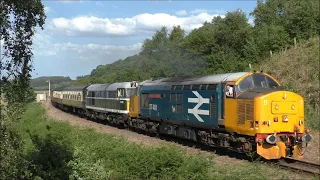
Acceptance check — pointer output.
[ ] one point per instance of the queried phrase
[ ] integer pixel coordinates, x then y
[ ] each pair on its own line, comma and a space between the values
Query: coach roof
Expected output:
77, 88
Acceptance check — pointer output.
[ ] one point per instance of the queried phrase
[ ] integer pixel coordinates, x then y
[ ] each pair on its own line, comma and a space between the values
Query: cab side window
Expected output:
229, 91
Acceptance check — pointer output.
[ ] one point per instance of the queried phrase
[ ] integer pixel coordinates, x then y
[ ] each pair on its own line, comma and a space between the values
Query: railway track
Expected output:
299, 166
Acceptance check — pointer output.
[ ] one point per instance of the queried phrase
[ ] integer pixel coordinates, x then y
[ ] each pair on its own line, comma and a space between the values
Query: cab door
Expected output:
221, 102
230, 109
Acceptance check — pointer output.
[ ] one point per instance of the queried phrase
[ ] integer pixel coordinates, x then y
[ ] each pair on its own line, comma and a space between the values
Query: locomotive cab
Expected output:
273, 116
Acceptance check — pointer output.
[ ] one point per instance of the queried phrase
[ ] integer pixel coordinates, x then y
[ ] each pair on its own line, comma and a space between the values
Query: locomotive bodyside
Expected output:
109, 101
196, 108
259, 116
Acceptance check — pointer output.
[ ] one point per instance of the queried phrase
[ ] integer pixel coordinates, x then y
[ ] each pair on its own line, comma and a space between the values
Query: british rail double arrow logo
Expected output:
196, 111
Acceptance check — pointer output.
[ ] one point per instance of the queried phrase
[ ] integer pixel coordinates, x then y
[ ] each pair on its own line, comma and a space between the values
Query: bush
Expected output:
55, 150
13, 165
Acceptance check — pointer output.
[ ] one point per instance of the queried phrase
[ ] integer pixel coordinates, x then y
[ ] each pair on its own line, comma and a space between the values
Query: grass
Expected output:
297, 69
58, 151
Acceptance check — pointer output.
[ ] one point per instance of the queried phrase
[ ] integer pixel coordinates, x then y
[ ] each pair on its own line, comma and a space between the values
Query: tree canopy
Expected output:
19, 20
226, 44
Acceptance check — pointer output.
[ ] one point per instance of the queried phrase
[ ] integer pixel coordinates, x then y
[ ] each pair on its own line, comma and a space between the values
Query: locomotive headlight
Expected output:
272, 139
293, 107
306, 138
277, 106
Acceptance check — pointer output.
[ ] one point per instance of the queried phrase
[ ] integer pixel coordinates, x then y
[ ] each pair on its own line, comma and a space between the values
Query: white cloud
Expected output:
214, 11
198, 11
114, 6
43, 47
139, 24
181, 13
47, 9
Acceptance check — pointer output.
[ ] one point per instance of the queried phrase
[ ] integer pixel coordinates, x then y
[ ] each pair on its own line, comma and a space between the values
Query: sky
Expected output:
80, 35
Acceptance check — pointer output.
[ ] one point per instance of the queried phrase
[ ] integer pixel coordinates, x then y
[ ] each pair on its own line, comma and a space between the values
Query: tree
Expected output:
18, 22
177, 34
222, 42
300, 19
265, 39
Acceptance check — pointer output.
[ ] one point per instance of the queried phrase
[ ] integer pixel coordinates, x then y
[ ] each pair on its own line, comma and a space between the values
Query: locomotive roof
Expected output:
76, 88
203, 79
97, 87
115, 86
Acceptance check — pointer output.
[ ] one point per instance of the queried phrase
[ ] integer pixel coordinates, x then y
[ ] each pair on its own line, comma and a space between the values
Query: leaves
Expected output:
18, 22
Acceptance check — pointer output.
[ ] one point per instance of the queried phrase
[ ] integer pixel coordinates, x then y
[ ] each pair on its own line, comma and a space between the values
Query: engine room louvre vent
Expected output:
249, 110
245, 112
241, 112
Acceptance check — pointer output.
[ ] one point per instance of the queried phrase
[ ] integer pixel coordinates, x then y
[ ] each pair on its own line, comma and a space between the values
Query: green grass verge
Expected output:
56, 150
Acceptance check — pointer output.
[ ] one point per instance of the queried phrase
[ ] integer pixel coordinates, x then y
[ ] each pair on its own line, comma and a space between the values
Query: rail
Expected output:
299, 166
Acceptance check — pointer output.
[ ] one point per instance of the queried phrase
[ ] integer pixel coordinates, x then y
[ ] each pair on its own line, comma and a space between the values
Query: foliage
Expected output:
17, 25
13, 165
297, 69
300, 19
55, 150
51, 155
221, 42
223, 45
56, 82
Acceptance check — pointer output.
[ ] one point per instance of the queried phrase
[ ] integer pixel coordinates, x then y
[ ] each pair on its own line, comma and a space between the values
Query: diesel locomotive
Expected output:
255, 116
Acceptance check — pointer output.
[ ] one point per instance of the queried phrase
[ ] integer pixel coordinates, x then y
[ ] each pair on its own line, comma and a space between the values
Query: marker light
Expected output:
300, 122
277, 107
275, 119
285, 118
292, 107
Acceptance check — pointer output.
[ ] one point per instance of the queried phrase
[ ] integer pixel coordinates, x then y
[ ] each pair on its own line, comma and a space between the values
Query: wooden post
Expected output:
270, 53
295, 42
